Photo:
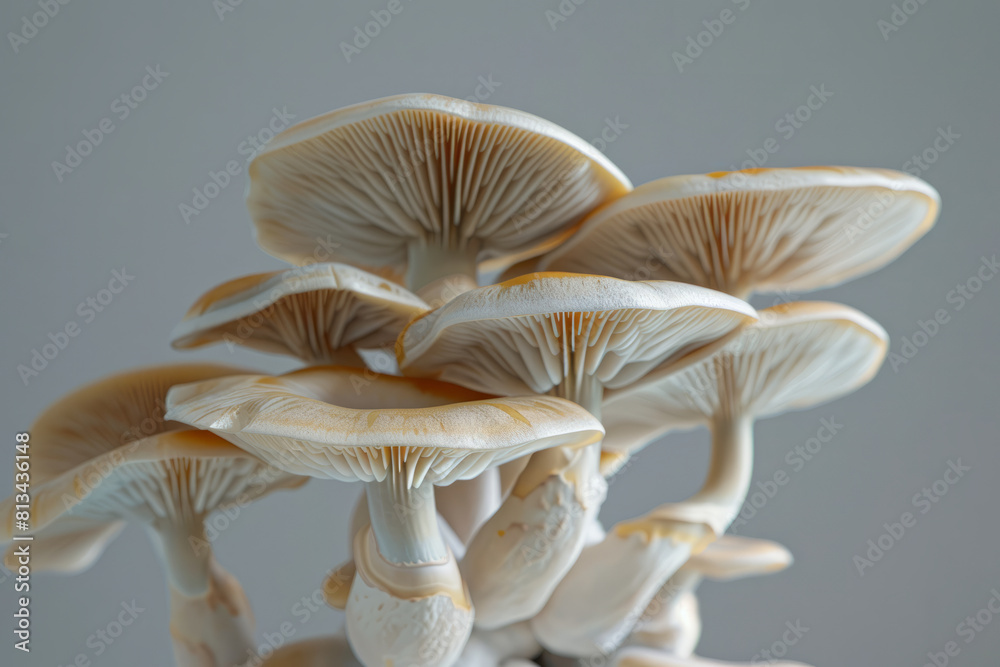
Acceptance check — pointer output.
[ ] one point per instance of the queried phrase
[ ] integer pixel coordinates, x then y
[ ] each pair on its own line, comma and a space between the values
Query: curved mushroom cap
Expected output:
532, 333
733, 557
171, 476
755, 230
336, 423
426, 171
637, 656
109, 413
309, 312
798, 355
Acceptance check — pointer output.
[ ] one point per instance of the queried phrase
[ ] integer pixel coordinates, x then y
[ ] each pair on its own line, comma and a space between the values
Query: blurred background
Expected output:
169, 93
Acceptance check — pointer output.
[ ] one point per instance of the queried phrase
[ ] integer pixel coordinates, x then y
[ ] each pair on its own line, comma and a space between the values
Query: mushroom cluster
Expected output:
547, 320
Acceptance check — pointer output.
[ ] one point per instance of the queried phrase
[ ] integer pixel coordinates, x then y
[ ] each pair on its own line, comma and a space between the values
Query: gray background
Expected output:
607, 61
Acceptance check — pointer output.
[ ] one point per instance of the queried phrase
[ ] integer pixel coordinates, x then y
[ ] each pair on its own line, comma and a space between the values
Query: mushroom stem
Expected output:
210, 618
185, 553
404, 520
731, 466
427, 263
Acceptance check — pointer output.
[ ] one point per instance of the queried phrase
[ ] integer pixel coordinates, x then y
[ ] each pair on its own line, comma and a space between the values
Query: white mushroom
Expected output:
88, 480
425, 186
796, 356
500, 647
316, 652
570, 335
671, 621
755, 230
322, 313
407, 604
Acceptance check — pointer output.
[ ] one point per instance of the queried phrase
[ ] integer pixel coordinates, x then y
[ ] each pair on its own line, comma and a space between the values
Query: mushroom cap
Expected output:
338, 423
429, 170
308, 312
531, 333
170, 476
104, 415
733, 557
755, 230
797, 356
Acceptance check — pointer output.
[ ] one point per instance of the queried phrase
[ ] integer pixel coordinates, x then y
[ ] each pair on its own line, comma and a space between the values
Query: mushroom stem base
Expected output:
215, 628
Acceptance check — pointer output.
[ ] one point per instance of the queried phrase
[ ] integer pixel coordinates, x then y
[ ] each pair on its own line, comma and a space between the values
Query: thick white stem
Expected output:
405, 522
210, 618
184, 552
730, 470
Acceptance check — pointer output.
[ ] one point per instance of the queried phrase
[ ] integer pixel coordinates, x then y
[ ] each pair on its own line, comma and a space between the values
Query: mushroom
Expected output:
502, 646
322, 313
401, 437
755, 230
636, 656
87, 481
333, 651
796, 356
572, 336
671, 621
425, 186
